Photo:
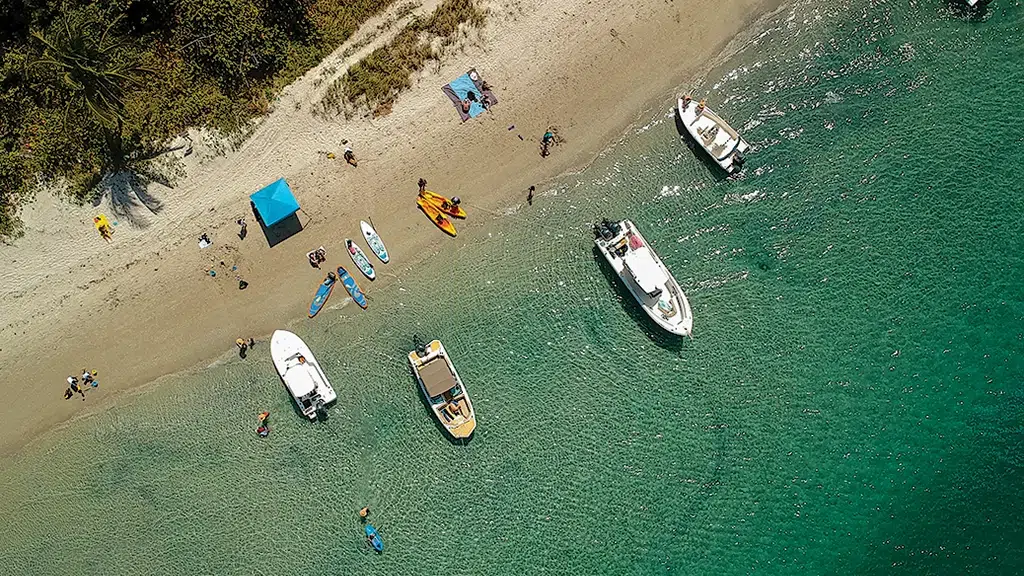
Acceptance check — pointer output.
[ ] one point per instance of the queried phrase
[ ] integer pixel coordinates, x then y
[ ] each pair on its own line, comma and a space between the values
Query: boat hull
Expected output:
435, 216
727, 157
458, 429
680, 323
285, 347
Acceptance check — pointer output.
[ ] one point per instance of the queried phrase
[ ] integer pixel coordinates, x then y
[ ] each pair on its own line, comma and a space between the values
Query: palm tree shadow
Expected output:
654, 333
130, 197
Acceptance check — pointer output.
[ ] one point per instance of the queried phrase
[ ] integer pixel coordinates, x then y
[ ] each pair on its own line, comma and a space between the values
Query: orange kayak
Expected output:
434, 213
443, 204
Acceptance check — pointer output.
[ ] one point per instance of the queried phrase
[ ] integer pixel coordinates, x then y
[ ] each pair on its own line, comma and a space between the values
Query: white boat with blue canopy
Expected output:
644, 274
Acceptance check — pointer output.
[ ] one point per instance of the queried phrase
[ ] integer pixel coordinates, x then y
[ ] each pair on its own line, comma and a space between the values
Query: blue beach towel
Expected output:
458, 89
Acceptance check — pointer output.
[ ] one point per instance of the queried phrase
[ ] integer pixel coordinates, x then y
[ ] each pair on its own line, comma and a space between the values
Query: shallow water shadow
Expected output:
654, 333
714, 169
959, 9
281, 231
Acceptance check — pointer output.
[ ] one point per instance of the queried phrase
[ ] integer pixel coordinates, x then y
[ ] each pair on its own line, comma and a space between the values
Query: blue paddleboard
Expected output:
322, 293
352, 287
373, 538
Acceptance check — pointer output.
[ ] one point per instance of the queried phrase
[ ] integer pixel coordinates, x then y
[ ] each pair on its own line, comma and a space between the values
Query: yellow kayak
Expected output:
443, 204
435, 216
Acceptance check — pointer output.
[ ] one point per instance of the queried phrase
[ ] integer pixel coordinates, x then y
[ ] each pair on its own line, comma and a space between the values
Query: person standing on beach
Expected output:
243, 229
423, 185
529, 197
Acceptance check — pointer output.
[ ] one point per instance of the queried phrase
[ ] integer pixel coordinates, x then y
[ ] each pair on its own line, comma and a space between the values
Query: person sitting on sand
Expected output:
321, 255
313, 261
68, 393
350, 157
73, 382
86, 377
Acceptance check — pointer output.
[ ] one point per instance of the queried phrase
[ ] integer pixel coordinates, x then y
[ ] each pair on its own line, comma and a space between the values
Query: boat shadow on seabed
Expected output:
662, 339
715, 170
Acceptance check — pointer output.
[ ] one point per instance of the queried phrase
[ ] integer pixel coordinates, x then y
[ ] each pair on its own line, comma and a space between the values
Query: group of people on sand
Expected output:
317, 257
471, 97
76, 386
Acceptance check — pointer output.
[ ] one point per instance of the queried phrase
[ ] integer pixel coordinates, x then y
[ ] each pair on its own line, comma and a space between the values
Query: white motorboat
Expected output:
644, 275
713, 134
301, 373
443, 389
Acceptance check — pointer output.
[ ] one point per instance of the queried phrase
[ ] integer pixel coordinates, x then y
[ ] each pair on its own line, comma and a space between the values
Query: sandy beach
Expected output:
143, 306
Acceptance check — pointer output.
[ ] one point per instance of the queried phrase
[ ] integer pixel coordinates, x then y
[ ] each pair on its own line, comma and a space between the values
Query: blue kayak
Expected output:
374, 538
322, 294
352, 287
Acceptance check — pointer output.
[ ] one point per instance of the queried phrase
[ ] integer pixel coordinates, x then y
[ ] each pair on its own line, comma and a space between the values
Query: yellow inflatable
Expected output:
103, 227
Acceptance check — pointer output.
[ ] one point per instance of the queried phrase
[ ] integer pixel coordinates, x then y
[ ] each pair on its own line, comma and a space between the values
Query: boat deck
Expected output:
715, 135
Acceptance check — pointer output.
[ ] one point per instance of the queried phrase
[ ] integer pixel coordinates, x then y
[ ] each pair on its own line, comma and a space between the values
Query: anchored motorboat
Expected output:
644, 275
301, 373
443, 388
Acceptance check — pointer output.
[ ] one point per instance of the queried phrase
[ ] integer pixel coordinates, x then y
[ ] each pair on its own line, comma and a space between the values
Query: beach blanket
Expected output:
460, 87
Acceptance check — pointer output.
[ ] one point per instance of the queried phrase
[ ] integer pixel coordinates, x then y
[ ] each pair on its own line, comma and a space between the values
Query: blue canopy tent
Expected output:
275, 203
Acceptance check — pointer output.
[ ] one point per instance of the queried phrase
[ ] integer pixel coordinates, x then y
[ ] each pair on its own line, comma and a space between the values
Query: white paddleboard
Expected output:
374, 241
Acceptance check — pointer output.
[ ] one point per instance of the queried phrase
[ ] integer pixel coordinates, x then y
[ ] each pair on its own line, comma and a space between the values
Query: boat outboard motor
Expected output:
421, 349
738, 159
321, 412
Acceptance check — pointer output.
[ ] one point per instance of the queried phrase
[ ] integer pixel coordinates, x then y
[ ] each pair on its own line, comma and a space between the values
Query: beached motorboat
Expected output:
443, 389
301, 373
644, 275
719, 140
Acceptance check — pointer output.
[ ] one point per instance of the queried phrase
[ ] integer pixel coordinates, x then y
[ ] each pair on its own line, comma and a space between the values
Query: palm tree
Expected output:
89, 65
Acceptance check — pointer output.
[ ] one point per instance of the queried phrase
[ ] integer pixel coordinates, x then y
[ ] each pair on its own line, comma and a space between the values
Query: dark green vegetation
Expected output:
92, 88
375, 81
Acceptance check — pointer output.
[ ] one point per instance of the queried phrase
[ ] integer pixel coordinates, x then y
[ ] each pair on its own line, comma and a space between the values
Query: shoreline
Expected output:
388, 148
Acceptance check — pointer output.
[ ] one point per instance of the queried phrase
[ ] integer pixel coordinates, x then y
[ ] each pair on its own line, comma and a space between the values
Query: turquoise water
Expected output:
851, 401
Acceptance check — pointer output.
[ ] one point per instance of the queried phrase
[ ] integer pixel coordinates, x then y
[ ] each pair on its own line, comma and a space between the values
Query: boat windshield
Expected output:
439, 399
